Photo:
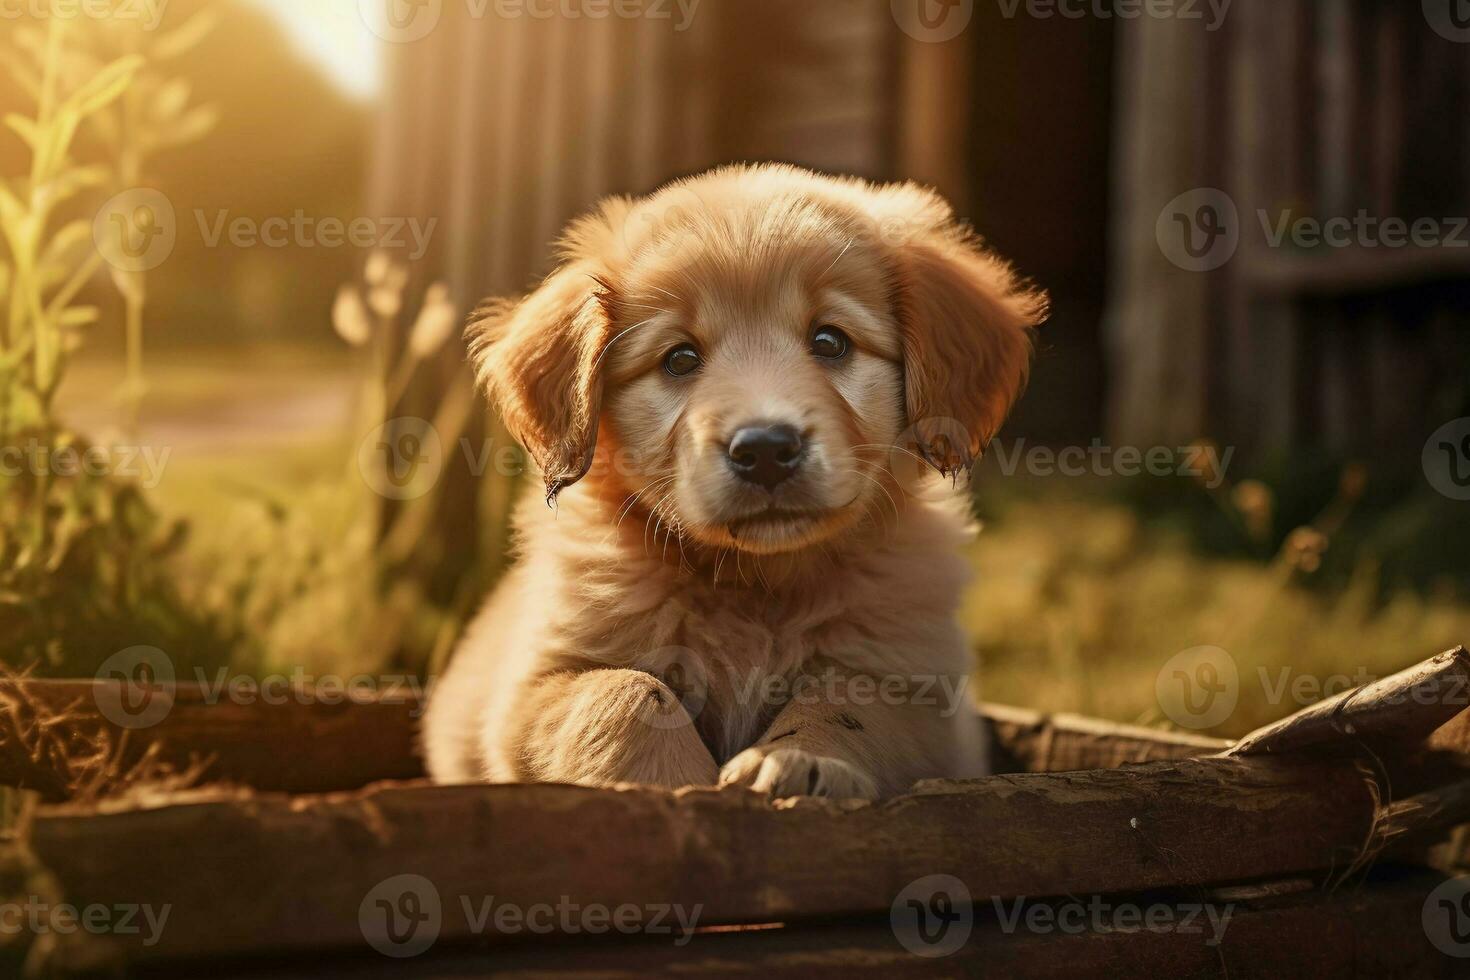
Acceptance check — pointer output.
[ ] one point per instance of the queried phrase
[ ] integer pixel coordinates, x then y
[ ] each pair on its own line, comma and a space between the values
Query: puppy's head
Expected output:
747, 350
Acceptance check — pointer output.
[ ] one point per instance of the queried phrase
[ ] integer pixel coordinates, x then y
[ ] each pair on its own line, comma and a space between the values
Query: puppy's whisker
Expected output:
867, 507
632, 500
838, 259
683, 560
877, 516
664, 291
669, 531
621, 334
760, 575
673, 529
652, 513
875, 474
876, 469
889, 449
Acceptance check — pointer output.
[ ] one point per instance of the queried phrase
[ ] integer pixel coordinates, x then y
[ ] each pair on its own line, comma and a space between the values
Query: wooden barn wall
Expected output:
1324, 107
1035, 145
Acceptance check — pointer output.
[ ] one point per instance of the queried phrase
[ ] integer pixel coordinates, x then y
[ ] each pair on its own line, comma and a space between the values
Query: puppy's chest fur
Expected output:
736, 651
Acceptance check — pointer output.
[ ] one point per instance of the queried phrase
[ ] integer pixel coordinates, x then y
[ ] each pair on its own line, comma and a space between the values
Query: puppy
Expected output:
731, 388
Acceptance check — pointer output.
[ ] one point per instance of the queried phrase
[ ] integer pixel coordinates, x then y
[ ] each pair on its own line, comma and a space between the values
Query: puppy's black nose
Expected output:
765, 454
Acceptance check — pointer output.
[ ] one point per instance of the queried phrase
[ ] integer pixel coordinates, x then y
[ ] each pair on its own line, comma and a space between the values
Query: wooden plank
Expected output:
933, 131
1371, 932
1435, 810
1263, 153
313, 741
284, 874
306, 745
1405, 707
1159, 322
1029, 741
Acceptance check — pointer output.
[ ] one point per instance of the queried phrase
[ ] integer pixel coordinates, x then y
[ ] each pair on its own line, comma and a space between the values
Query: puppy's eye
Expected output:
830, 343
681, 361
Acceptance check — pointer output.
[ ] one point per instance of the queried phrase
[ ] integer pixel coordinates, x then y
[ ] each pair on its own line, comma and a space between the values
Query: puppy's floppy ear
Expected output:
967, 323
539, 361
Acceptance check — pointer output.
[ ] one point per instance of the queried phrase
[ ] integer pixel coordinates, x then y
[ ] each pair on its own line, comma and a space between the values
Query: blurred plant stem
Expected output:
40, 257
406, 552
83, 557
149, 116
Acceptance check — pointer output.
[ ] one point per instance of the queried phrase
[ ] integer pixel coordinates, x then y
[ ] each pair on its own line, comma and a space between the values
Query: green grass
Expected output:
1079, 602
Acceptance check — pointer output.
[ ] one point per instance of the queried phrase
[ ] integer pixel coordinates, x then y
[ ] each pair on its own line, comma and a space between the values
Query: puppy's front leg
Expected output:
848, 736
602, 726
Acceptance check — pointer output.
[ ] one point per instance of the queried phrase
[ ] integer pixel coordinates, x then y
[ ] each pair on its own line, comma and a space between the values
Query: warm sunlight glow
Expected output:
331, 34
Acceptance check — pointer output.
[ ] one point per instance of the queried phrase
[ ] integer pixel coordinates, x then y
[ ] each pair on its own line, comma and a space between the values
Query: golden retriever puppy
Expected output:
730, 387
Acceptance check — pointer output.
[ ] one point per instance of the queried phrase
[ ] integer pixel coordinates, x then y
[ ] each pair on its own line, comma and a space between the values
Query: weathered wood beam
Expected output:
248, 872
1425, 813
1029, 741
311, 743
1405, 707
1371, 932
314, 741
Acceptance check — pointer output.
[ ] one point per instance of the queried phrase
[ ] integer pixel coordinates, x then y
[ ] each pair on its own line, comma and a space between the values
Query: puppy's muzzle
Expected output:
766, 455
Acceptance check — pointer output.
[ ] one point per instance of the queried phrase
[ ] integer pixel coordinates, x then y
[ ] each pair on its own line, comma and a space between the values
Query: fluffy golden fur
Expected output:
671, 623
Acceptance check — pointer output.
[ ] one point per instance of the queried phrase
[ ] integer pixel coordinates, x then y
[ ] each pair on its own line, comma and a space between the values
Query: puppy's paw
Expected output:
781, 773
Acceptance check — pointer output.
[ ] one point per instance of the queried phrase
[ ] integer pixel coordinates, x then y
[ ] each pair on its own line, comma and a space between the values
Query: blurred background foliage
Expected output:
264, 371
292, 140
84, 555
